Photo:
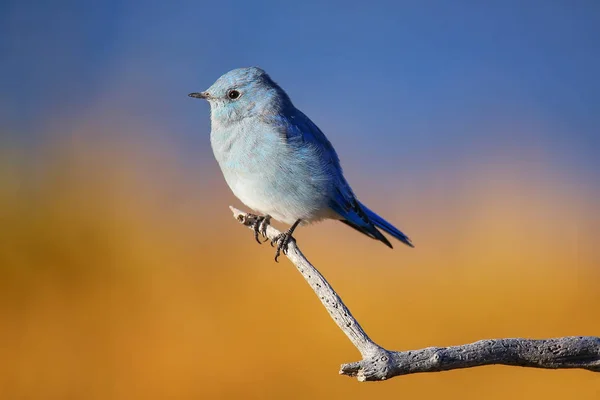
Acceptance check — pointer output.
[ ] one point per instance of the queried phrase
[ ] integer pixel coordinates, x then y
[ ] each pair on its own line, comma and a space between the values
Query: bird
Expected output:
279, 163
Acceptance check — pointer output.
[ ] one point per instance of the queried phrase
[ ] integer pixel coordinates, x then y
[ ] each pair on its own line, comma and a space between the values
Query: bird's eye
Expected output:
233, 94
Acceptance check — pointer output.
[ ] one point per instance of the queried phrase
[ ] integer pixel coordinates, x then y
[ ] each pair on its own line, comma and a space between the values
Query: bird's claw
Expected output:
259, 226
282, 240
266, 221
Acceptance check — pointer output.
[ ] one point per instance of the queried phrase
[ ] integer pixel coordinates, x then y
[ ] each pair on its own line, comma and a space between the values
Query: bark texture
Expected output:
379, 364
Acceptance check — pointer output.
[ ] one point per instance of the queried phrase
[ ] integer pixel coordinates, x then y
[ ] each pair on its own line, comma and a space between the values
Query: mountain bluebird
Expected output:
278, 162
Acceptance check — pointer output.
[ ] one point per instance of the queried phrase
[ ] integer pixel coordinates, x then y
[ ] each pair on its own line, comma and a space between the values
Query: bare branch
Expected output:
380, 364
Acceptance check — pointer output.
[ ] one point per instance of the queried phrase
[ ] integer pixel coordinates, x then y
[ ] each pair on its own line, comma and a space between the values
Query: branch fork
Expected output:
378, 364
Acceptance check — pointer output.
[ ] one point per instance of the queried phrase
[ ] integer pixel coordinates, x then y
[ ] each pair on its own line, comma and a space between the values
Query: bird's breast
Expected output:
270, 176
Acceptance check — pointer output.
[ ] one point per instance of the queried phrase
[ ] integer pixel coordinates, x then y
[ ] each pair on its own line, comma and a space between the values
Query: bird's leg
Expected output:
260, 226
283, 239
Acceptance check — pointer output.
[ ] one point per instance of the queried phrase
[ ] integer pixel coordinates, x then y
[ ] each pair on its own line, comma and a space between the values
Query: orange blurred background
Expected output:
123, 275
472, 127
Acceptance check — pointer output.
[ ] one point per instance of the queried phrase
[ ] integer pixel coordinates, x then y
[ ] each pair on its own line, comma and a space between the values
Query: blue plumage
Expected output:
278, 162
386, 226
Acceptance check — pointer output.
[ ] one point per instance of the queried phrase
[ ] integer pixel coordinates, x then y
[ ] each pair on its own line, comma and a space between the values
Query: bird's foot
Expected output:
259, 225
282, 240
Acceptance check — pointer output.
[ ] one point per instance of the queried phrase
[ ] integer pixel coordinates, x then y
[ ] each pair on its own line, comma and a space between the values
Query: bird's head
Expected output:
242, 93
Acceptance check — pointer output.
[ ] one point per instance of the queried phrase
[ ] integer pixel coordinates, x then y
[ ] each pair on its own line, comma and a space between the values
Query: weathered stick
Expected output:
380, 364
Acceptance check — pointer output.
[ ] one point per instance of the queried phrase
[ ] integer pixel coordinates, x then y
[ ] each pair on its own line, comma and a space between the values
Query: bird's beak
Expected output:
201, 95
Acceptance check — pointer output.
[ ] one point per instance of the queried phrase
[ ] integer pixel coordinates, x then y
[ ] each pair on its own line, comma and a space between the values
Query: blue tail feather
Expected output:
386, 226
361, 218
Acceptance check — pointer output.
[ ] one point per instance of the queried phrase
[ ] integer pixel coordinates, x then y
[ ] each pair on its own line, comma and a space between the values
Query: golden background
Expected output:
124, 276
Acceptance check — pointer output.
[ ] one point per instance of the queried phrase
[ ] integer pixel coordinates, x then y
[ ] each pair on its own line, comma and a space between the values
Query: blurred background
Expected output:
474, 128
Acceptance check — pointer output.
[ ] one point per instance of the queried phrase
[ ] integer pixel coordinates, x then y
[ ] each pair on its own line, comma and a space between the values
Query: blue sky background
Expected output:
397, 85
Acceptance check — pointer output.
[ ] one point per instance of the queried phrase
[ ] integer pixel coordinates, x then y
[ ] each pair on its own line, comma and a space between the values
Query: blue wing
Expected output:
298, 129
